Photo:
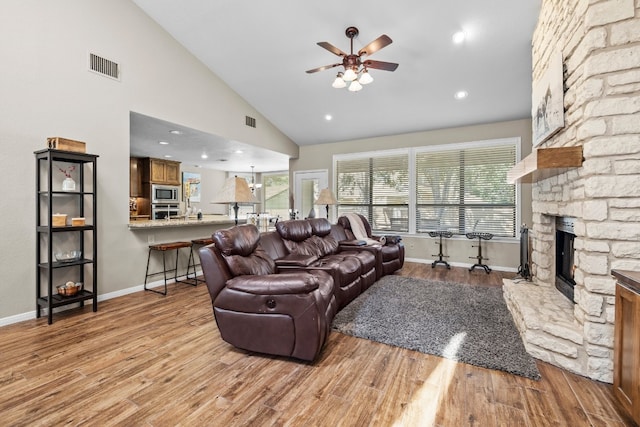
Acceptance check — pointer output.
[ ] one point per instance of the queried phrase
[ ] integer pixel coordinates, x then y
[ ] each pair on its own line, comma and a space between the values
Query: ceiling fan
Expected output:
356, 71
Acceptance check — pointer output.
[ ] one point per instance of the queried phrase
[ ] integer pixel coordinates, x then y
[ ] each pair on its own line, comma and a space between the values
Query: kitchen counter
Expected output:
218, 220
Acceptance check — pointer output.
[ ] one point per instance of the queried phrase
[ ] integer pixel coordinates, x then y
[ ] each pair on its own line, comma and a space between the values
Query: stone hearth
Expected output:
600, 46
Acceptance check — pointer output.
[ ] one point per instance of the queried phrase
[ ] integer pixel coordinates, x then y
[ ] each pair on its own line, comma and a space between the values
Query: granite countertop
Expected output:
629, 279
183, 222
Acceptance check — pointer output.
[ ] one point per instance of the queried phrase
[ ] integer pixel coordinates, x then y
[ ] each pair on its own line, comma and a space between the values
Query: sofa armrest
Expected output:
296, 260
390, 239
274, 284
352, 243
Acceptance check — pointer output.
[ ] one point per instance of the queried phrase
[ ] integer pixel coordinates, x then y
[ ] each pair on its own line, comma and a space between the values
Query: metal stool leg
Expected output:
193, 281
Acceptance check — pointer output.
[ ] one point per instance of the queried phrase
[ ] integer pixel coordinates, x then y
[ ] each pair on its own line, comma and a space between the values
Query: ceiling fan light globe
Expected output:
338, 83
355, 86
365, 78
349, 75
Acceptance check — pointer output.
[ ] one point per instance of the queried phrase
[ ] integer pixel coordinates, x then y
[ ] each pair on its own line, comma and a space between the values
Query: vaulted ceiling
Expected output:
262, 49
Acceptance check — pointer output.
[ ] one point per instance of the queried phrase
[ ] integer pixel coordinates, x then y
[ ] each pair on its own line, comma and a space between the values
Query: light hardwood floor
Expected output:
149, 360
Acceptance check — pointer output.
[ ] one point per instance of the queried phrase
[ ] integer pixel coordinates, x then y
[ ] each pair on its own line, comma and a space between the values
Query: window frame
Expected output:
412, 153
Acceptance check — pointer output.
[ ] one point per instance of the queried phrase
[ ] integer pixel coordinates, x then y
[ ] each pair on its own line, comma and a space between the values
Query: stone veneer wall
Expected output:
600, 45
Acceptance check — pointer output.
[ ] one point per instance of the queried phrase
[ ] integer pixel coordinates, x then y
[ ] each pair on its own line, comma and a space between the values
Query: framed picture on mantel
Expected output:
547, 101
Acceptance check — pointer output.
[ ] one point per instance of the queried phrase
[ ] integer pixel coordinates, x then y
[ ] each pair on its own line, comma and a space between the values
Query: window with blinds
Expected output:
376, 187
275, 187
466, 190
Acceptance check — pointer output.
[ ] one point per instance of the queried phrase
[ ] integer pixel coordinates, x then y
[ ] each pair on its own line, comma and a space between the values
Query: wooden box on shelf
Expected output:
65, 144
58, 220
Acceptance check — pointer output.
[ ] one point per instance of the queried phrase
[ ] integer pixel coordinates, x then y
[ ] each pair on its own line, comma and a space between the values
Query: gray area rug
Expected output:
469, 324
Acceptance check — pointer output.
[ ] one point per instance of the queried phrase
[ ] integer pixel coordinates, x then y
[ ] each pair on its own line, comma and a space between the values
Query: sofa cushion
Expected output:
296, 230
241, 240
320, 226
257, 263
326, 245
239, 248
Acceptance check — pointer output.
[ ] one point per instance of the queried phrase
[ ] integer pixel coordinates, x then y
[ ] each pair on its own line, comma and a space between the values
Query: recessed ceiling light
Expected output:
328, 117
163, 143
461, 94
168, 156
238, 151
459, 37
204, 156
175, 132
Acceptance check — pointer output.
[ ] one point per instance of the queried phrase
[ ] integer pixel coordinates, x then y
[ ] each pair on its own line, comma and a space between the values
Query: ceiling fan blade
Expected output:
380, 65
376, 45
331, 48
325, 67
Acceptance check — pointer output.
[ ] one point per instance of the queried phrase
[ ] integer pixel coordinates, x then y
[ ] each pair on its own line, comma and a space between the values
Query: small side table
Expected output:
480, 237
440, 255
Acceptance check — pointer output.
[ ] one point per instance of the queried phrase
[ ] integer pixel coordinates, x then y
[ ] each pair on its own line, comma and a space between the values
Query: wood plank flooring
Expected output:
148, 360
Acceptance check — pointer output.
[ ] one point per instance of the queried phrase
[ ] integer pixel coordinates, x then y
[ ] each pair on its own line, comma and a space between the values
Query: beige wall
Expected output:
501, 253
46, 90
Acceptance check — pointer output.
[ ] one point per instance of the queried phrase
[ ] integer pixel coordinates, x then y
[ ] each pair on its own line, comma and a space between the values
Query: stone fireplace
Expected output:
600, 45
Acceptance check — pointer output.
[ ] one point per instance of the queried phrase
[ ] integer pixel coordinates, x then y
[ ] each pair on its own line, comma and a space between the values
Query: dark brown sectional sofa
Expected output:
277, 292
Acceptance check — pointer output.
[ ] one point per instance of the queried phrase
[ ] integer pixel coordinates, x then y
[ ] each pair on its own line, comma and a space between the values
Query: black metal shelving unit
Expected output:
84, 202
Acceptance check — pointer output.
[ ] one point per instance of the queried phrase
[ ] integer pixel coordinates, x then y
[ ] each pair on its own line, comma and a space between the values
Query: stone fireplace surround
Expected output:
600, 45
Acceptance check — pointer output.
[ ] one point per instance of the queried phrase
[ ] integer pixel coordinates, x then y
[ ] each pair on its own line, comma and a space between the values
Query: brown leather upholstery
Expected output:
391, 256
277, 292
352, 271
257, 310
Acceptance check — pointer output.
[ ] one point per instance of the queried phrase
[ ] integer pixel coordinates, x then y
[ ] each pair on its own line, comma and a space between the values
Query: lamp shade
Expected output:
235, 190
326, 197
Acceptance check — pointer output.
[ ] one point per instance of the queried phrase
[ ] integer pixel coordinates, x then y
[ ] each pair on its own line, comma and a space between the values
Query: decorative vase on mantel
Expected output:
68, 184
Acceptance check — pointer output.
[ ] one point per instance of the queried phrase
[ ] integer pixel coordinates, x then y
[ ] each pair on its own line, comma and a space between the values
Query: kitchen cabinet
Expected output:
135, 177
626, 358
158, 171
55, 233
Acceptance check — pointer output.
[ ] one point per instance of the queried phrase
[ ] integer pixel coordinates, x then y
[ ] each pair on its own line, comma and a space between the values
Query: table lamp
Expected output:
235, 190
327, 198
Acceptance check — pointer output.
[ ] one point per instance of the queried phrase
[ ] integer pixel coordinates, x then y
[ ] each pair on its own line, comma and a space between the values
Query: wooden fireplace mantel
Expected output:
543, 163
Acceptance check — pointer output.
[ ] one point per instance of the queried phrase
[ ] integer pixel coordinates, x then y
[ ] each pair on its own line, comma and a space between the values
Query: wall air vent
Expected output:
250, 121
104, 67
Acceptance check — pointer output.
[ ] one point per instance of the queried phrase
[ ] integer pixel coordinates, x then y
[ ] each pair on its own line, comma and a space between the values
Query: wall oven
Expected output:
164, 211
165, 194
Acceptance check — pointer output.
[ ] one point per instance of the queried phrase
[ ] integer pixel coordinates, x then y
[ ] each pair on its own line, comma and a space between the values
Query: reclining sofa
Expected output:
278, 292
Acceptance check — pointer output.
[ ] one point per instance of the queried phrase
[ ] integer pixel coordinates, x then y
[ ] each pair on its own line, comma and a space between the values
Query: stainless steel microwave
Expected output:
165, 193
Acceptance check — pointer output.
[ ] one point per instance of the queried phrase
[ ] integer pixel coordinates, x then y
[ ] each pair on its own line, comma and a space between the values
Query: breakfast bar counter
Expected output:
214, 220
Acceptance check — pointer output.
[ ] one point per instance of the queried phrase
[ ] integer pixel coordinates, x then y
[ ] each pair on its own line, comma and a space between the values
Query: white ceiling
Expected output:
262, 49
189, 145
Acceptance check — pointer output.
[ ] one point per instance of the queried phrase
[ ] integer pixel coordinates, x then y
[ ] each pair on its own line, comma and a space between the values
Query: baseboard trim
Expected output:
462, 264
30, 315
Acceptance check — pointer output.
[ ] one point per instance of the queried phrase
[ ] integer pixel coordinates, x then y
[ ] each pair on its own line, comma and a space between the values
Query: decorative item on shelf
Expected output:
235, 190
78, 222
312, 213
58, 220
58, 143
68, 184
327, 198
68, 256
69, 289
254, 185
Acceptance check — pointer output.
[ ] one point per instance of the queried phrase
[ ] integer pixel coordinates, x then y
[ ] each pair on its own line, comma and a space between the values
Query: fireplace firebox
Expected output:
565, 236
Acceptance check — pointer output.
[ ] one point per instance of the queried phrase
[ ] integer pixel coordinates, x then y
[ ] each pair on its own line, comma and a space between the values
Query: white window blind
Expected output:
275, 187
376, 187
465, 190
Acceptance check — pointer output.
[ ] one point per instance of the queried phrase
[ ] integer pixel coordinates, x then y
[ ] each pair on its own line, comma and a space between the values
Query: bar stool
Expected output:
480, 237
164, 247
440, 255
192, 259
